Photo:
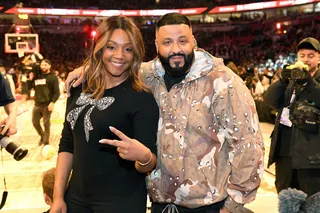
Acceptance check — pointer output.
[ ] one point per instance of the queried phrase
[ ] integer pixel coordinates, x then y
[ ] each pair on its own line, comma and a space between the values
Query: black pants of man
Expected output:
39, 112
306, 180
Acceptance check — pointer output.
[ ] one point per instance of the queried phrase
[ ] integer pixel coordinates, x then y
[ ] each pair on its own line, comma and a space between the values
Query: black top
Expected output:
99, 174
6, 96
46, 89
172, 80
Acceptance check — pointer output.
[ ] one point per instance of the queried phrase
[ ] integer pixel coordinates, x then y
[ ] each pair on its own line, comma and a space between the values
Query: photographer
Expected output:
295, 143
46, 93
7, 100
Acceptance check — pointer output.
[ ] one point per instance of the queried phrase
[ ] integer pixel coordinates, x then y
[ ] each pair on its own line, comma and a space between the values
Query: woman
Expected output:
112, 104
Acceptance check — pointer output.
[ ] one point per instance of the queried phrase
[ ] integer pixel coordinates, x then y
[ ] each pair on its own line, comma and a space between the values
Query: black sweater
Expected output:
46, 89
5, 92
99, 174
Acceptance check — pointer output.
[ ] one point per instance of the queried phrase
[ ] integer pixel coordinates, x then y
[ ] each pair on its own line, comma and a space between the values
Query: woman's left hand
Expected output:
128, 148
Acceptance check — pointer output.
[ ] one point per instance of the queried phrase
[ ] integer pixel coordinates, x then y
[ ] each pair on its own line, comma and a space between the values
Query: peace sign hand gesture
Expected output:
128, 148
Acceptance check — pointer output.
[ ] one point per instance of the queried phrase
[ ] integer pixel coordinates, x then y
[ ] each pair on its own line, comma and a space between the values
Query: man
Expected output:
7, 100
8, 78
46, 93
295, 140
210, 148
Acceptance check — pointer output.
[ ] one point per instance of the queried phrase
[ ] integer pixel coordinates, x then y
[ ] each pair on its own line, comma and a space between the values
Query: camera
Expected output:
297, 73
297, 70
15, 150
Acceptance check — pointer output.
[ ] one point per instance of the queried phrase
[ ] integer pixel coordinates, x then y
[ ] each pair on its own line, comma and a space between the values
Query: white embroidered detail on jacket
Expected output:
83, 101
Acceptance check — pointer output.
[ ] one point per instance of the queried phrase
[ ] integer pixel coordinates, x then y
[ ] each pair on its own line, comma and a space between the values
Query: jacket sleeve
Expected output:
274, 96
313, 88
240, 127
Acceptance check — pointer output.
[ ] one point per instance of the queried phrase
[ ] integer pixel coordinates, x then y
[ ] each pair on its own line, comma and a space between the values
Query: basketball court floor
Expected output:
23, 178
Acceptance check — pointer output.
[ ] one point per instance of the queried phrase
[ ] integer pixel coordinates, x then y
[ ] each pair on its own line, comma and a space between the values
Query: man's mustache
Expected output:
177, 54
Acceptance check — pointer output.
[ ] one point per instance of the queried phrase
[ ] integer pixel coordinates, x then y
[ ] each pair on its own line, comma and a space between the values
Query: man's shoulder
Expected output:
146, 66
52, 76
146, 72
317, 76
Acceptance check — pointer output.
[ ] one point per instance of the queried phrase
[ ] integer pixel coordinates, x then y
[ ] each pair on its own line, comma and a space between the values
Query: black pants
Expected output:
306, 180
214, 208
77, 204
39, 112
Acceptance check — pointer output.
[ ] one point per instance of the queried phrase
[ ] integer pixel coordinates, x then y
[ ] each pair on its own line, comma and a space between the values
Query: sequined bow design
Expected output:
85, 100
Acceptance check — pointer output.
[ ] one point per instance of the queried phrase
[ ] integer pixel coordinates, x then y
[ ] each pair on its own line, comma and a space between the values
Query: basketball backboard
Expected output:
26, 43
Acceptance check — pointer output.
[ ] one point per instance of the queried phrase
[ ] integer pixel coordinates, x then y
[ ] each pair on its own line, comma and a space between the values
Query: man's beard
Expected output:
177, 71
45, 71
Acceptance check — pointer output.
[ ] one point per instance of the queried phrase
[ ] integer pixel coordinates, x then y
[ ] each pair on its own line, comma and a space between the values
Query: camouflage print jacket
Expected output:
210, 145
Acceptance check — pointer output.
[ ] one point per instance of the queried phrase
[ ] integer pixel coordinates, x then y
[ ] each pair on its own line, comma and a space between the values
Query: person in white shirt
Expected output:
258, 88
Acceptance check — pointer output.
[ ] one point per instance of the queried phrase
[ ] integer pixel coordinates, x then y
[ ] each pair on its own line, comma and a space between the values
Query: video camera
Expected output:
31, 63
15, 150
297, 70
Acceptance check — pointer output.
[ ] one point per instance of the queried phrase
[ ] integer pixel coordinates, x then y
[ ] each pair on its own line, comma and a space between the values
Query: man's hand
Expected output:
10, 122
50, 106
286, 75
305, 79
58, 206
9, 125
129, 149
74, 79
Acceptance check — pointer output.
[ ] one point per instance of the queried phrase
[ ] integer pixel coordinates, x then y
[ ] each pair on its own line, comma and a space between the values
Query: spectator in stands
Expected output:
257, 89
47, 186
265, 83
106, 179
209, 141
233, 67
295, 140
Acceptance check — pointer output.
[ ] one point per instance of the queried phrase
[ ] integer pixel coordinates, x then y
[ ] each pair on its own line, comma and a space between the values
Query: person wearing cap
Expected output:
46, 93
295, 147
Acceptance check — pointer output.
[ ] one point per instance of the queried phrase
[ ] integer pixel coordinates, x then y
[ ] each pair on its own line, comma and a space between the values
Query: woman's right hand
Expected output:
74, 79
58, 206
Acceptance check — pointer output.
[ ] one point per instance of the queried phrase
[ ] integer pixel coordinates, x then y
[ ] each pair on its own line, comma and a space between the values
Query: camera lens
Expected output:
20, 154
16, 151
297, 73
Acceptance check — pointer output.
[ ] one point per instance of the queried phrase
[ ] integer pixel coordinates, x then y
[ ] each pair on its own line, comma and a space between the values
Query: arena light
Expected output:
259, 6
93, 33
80, 12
